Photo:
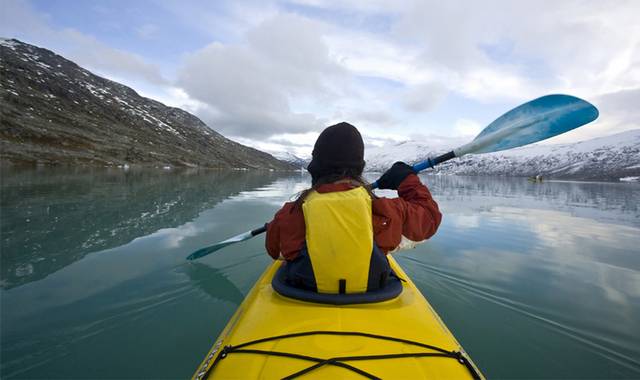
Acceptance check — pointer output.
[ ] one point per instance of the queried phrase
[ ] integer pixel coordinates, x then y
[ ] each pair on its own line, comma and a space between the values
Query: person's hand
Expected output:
393, 177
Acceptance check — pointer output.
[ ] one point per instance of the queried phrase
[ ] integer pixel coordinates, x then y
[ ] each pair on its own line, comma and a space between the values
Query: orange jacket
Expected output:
414, 215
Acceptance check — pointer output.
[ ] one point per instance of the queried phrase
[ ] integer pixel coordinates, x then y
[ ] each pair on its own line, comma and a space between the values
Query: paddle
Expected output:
530, 122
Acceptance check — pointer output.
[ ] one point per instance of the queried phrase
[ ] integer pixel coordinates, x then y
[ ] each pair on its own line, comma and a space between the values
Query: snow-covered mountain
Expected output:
604, 158
291, 158
380, 159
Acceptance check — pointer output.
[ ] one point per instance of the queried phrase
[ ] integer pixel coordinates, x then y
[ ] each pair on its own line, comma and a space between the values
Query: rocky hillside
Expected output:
605, 158
55, 112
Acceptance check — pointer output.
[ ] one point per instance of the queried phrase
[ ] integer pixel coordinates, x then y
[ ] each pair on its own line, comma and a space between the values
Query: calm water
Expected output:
535, 280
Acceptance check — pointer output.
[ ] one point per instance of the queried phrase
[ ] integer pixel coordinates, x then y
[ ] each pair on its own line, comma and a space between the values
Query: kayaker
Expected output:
335, 236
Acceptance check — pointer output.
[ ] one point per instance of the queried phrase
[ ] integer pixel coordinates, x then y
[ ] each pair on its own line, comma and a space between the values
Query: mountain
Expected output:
605, 158
291, 158
55, 112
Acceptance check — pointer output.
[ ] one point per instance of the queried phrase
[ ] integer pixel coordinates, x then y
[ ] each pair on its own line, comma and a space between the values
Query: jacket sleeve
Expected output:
285, 233
422, 215
272, 241
402, 222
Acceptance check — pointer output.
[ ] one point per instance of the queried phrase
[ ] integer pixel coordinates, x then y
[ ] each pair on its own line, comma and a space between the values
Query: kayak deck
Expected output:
274, 337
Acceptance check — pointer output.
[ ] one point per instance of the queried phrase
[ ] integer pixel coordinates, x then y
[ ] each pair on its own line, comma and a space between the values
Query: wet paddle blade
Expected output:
208, 250
531, 122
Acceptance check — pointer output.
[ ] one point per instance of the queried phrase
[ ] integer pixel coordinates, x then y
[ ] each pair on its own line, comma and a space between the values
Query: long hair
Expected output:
348, 173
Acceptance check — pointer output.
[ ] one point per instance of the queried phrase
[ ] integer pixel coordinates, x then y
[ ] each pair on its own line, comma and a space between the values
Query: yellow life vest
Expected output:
339, 237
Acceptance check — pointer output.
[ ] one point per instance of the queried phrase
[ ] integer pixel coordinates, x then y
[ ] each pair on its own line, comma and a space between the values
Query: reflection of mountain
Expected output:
51, 218
607, 202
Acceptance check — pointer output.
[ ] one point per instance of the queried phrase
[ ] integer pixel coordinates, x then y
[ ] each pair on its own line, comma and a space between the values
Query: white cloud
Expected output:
276, 146
372, 55
619, 112
272, 71
424, 97
467, 128
174, 97
584, 46
90, 53
298, 139
253, 84
507, 52
220, 20
373, 116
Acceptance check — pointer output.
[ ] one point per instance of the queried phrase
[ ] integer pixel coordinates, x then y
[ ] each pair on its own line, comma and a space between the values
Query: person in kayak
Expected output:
335, 236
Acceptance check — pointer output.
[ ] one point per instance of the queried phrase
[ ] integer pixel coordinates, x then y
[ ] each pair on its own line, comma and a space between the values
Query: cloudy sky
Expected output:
273, 74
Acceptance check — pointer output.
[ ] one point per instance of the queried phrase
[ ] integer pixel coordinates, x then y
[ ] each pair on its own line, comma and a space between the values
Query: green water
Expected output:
535, 280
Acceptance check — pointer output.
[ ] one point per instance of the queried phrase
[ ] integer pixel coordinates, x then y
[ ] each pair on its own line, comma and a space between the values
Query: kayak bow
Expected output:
271, 336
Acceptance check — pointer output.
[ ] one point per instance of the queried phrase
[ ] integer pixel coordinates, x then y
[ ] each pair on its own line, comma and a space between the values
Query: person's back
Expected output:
335, 236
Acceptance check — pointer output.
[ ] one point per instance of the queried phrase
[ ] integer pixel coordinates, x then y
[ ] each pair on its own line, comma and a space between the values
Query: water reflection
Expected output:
535, 280
213, 282
144, 317
561, 256
53, 217
604, 201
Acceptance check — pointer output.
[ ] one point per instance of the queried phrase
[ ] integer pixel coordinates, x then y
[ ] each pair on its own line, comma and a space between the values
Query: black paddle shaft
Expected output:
443, 158
430, 162
260, 230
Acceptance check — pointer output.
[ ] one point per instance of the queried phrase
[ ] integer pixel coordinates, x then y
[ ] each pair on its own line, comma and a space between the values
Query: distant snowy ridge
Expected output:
291, 158
605, 158
381, 158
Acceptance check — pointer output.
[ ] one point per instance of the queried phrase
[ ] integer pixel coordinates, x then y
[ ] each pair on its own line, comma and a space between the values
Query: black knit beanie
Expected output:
339, 148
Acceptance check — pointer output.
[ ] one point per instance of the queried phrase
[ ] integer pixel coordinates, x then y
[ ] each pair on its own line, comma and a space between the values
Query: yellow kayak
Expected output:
275, 337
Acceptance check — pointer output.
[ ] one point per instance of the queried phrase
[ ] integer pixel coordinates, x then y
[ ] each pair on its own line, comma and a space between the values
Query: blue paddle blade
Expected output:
206, 251
533, 121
